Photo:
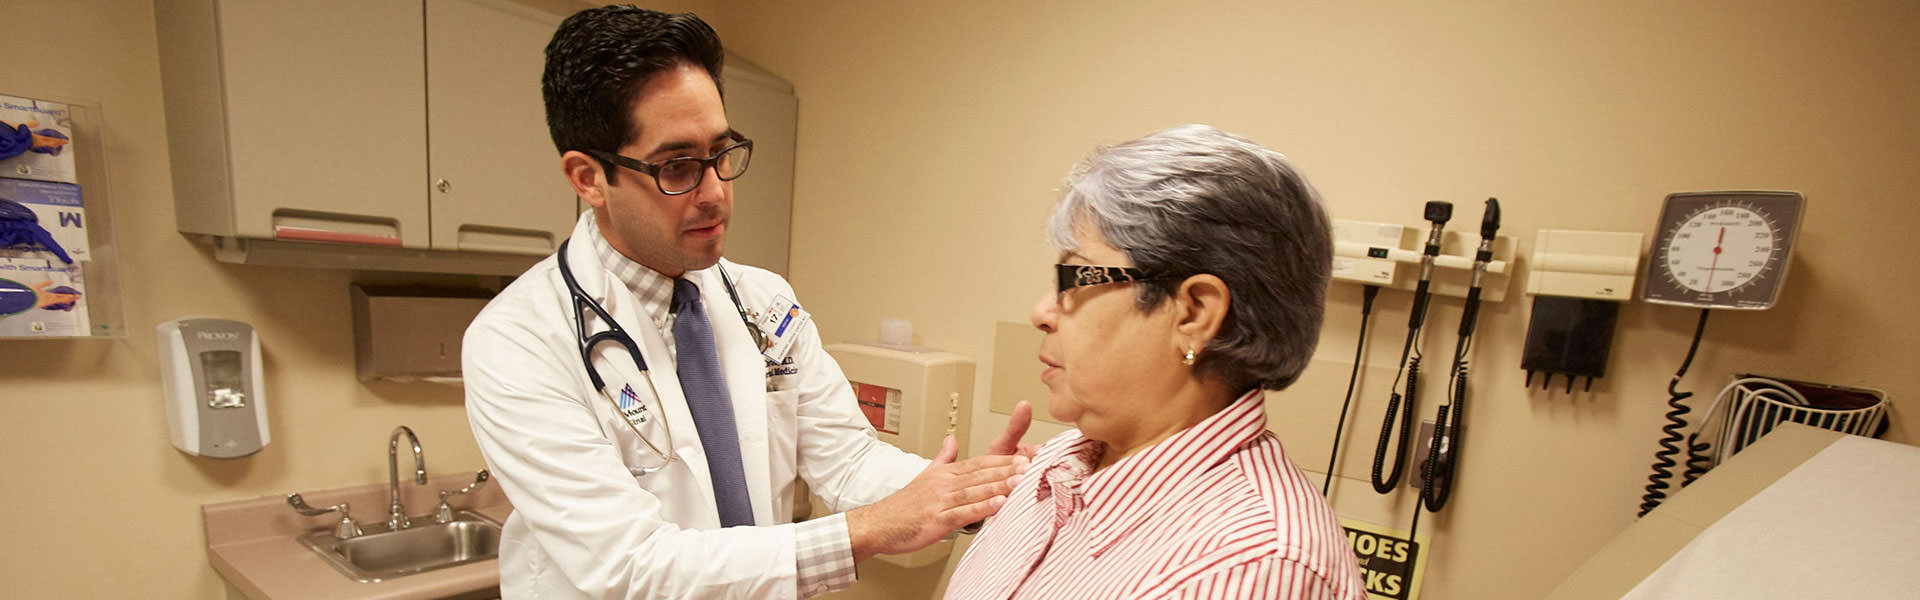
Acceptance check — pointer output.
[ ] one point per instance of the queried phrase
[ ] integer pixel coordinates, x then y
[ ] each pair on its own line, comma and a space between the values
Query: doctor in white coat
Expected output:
606, 468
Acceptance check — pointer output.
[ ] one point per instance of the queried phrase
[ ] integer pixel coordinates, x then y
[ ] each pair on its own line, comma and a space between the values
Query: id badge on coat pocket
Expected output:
781, 323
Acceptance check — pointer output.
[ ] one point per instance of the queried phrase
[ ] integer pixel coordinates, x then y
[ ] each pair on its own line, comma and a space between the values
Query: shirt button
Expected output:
819, 588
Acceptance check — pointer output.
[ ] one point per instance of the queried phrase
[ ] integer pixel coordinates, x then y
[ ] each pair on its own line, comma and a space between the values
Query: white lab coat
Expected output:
586, 523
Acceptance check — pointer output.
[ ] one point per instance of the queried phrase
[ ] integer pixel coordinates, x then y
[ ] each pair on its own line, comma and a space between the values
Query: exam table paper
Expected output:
1841, 525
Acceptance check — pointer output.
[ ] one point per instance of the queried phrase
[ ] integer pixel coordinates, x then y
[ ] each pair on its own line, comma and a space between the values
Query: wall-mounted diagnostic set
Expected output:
210, 373
1450, 264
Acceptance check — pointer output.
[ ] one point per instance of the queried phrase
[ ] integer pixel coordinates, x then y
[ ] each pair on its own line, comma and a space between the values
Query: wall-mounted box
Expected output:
411, 334
59, 270
1388, 255
914, 398
1585, 264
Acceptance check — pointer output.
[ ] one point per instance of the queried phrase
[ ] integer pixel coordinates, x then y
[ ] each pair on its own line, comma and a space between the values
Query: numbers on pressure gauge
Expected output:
1723, 249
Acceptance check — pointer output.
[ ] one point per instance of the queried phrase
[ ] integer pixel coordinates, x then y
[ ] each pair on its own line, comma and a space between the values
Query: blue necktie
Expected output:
705, 387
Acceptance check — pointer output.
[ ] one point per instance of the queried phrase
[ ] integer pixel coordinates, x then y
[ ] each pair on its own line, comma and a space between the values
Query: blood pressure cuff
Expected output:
19, 226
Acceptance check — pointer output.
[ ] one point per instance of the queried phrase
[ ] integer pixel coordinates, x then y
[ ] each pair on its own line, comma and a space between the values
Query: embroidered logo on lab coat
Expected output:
631, 407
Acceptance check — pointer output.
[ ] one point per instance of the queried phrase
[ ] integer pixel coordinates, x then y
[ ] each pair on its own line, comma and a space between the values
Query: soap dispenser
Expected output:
210, 373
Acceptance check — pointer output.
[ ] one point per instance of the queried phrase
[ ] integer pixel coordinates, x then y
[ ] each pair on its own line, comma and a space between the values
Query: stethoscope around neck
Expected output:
618, 335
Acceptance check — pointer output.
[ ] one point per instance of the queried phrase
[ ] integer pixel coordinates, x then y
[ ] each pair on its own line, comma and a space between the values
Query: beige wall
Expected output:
97, 503
933, 136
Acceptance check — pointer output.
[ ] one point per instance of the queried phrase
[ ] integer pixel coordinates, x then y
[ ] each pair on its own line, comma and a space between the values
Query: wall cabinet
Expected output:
413, 127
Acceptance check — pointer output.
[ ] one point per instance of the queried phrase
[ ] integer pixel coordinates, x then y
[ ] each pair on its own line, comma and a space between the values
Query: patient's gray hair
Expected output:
1194, 199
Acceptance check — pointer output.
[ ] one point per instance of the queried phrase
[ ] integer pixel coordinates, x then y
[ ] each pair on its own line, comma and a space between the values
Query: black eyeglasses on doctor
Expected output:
675, 176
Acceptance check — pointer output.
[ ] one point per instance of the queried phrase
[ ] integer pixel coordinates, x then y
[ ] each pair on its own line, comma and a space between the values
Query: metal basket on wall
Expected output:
1755, 404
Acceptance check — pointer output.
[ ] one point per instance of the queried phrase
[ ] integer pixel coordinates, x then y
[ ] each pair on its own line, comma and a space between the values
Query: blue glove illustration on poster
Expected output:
34, 140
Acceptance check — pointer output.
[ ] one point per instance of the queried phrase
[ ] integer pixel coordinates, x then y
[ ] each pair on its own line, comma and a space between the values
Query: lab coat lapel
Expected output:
746, 383
620, 302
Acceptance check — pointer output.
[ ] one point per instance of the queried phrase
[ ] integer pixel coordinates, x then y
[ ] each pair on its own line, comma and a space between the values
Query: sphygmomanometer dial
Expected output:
1723, 249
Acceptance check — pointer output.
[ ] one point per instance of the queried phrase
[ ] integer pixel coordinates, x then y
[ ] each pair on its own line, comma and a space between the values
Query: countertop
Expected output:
254, 544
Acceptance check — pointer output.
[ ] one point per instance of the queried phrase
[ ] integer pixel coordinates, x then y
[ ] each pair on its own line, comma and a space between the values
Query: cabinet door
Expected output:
763, 107
497, 183
325, 120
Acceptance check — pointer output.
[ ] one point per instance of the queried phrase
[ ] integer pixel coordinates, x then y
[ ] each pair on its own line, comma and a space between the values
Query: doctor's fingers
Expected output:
975, 489
963, 515
981, 469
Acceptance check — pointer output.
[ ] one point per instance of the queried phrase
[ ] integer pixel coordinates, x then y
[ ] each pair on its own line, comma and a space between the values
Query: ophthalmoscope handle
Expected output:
1470, 314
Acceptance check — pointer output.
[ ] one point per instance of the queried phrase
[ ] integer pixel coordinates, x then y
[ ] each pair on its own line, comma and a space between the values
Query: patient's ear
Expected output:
1200, 306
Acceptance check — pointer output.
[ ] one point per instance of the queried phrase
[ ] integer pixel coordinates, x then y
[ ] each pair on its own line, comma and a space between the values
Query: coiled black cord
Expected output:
1437, 479
1670, 444
1366, 308
1698, 460
1386, 485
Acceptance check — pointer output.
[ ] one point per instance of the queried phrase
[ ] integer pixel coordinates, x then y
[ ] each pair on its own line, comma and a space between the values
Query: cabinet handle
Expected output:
442, 185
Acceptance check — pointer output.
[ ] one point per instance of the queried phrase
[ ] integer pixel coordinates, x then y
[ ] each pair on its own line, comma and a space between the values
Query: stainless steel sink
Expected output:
426, 546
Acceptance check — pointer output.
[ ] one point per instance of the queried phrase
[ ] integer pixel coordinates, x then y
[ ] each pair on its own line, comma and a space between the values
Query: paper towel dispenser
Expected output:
412, 333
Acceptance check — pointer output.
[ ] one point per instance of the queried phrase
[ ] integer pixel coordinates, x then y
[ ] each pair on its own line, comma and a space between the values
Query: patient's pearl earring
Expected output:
1187, 359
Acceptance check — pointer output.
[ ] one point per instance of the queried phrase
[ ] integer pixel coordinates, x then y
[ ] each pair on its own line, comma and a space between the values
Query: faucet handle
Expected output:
300, 505
346, 528
479, 477
445, 513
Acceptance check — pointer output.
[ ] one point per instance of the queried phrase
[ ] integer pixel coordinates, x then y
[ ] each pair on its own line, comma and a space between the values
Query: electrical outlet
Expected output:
1422, 444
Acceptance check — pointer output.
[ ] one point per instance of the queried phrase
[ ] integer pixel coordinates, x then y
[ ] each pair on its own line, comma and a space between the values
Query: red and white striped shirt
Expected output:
1214, 511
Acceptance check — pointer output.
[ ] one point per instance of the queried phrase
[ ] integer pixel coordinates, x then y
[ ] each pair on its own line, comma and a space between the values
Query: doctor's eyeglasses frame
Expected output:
676, 176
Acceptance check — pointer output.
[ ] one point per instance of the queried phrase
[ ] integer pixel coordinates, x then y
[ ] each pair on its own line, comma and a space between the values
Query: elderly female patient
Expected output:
1193, 268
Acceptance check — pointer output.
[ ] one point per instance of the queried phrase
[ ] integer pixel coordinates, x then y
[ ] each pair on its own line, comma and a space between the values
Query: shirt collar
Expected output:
1122, 495
653, 290
1061, 485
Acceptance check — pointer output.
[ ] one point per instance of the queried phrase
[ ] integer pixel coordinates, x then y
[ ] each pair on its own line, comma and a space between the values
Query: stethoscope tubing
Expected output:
618, 335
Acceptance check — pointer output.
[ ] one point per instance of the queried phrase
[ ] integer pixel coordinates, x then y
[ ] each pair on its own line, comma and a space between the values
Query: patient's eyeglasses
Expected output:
676, 176
1078, 276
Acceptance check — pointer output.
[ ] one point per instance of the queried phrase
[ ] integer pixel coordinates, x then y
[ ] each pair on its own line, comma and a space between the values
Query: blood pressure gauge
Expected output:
1723, 249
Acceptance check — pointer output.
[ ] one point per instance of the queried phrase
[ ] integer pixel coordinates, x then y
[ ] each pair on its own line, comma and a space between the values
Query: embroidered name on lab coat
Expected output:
780, 374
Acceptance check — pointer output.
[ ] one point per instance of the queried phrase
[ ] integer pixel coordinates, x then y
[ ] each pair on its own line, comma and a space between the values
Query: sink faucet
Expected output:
397, 514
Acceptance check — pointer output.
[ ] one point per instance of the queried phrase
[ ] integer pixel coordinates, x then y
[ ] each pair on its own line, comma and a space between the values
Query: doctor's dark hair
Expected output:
1194, 199
598, 60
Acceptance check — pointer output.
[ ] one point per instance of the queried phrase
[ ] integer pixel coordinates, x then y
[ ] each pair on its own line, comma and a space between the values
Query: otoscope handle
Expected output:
1468, 315
1419, 313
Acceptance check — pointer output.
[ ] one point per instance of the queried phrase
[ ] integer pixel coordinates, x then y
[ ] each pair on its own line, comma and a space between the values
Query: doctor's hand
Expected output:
941, 499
